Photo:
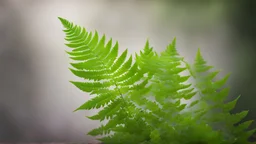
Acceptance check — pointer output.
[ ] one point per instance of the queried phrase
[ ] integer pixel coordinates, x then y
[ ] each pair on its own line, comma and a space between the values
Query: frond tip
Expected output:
64, 22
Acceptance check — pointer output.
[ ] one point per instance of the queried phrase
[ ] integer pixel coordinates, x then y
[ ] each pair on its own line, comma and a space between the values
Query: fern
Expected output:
141, 97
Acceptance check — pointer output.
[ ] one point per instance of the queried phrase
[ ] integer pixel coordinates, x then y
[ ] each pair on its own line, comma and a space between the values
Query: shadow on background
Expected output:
243, 22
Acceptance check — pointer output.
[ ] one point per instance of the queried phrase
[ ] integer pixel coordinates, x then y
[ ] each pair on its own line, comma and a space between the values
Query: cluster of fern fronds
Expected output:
142, 98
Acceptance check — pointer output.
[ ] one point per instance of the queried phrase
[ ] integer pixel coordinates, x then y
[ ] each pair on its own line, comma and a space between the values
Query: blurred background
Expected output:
36, 98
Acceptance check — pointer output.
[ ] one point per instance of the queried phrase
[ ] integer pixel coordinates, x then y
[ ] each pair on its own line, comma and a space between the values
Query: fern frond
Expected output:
142, 99
109, 76
218, 112
98, 61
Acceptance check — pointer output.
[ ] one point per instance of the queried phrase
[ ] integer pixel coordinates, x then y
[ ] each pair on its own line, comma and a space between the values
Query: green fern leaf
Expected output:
108, 112
99, 101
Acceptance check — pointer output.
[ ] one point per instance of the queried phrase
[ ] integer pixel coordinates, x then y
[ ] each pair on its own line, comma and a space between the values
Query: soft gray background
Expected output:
36, 98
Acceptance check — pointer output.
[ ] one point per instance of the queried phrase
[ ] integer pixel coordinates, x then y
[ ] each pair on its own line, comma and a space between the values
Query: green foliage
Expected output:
141, 98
